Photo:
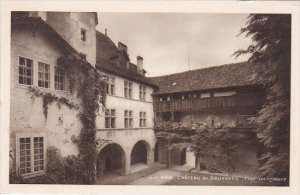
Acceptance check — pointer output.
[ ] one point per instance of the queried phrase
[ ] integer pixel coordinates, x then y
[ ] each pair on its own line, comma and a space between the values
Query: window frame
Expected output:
142, 92
143, 119
128, 89
64, 78
32, 153
128, 119
32, 70
84, 35
110, 118
111, 85
44, 80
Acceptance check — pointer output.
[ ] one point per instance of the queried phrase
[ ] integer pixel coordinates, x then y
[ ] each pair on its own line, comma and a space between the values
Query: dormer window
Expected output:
83, 35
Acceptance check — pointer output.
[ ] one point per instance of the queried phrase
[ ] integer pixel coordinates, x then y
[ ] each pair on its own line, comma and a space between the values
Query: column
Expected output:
150, 157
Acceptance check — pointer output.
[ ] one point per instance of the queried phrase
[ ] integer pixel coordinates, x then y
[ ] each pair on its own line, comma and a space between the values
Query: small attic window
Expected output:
83, 35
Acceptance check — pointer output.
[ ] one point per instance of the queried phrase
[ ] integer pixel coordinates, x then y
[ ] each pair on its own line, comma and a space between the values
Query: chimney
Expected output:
106, 32
38, 14
122, 46
139, 62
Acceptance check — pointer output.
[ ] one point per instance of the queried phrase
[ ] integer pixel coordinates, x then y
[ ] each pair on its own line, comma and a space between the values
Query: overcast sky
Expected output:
167, 40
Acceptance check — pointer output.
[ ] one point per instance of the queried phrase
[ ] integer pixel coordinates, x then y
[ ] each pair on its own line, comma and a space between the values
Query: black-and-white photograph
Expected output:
209, 105
163, 98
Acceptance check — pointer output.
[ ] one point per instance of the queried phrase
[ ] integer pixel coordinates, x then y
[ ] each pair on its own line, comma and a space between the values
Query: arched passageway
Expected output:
139, 153
111, 159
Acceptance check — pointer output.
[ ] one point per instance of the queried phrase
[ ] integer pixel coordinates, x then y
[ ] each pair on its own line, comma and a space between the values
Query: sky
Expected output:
176, 42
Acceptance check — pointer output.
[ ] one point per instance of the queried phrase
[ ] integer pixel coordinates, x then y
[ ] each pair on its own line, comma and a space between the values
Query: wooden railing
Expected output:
209, 103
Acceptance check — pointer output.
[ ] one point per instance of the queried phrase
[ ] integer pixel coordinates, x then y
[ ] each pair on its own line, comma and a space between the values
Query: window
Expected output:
44, 75
110, 118
31, 155
25, 157
59, 78
142, 119
127, 89
142, 93
110, 85
25, 71
204, 95
128, 118
38, 147
224, 93
83, 35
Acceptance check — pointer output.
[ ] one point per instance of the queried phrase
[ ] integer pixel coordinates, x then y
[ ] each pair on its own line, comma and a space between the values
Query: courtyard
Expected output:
159, 174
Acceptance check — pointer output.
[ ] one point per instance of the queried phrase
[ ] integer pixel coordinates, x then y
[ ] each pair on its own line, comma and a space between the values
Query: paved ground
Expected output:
116, 179
159, 175
158, 178
174, 177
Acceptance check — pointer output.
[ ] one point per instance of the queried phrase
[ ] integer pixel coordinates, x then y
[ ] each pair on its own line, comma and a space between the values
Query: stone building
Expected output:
128, 121
40, 41
220, 97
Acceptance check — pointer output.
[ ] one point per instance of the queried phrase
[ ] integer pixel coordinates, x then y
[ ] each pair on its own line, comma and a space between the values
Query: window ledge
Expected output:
31, 175
21, 86
138, 100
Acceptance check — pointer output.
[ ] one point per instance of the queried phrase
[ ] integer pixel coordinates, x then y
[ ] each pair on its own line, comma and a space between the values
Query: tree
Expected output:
271, 48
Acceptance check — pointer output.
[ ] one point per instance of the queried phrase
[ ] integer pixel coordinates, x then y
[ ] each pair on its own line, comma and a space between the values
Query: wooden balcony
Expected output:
236, 101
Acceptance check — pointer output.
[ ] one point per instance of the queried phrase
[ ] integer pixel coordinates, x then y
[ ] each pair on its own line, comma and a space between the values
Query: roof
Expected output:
105, 46
106, 51
225, 76
110, 67
38, 23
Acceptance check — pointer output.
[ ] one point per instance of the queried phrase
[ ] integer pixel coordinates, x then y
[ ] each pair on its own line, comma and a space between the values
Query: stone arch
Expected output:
140, 153
111, 159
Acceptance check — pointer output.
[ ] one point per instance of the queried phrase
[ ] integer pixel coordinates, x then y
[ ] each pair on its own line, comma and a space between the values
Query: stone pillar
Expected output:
150, 157
127, 163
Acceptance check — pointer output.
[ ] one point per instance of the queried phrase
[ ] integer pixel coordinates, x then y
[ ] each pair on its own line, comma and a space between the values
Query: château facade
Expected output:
40, 41
222, 97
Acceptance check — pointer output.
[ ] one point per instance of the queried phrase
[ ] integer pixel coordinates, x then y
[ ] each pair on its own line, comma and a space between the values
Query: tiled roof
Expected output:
230, 75
105, 46
106, 50
111, 67
37, 23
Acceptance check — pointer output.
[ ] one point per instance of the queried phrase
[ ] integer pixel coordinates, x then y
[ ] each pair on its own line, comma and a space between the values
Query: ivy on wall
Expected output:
91, 89
49, 98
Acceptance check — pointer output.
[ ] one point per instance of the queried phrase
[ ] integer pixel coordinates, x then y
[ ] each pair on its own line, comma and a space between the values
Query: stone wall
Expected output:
26, 114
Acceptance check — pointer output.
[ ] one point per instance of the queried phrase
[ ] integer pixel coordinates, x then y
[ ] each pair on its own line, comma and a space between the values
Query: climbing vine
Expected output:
90, 86
93, 93
49, 98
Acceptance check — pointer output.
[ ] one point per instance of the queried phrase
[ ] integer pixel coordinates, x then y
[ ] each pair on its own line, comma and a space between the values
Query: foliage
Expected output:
49, 98
15, 178
221, 140
74, 170
171, 126
91, 88
55, 166
93, 95
271, 47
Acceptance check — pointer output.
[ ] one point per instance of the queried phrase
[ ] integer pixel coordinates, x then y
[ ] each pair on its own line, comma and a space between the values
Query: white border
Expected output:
150, 6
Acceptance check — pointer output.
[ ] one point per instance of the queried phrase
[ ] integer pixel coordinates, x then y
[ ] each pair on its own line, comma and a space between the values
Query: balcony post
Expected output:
169, 155
172, 116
